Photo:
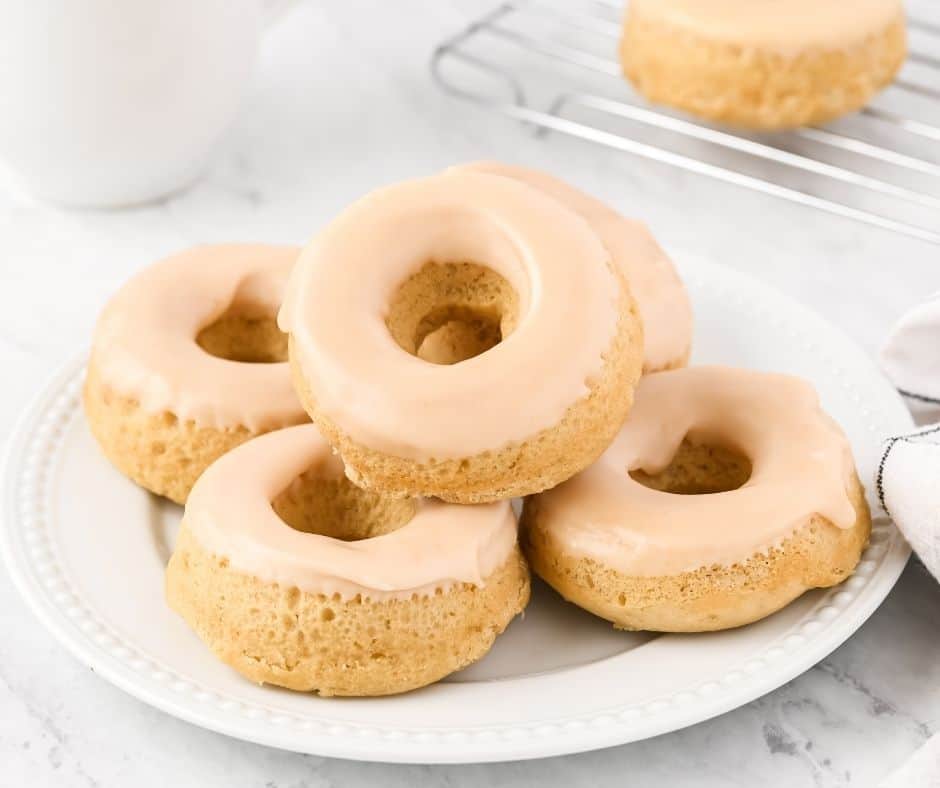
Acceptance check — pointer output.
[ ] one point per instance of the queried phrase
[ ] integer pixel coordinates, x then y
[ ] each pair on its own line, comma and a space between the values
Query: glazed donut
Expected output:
294, 576
660, 296
432, 271
763, 65
171, 385
727, 494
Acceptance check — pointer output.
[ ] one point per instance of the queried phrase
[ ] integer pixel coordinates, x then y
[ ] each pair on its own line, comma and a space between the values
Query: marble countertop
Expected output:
306, 143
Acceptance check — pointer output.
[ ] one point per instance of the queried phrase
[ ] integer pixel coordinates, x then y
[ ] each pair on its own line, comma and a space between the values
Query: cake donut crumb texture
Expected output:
764, 64
295, 577
187, 362
428, 271
726, 495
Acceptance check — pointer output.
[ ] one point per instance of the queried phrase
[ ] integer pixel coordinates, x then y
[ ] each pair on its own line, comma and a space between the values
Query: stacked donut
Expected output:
457, 341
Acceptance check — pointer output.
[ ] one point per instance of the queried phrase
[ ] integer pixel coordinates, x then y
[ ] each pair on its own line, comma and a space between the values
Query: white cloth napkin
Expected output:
908, 477
911, 358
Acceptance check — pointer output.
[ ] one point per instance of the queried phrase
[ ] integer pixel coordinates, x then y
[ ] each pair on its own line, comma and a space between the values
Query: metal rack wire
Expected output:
554, 67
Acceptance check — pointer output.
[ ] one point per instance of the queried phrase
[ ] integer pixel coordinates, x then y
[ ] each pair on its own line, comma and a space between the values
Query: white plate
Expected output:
87, 548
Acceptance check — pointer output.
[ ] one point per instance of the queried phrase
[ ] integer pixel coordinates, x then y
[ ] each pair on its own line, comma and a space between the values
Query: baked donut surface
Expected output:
661, 297
763, 65
295, 577
187, 362
462, 336
727, 494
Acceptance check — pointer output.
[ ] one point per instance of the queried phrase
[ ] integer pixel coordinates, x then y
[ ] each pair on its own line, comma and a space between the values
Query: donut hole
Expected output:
450, 312
699, 469
247, 333
331, 505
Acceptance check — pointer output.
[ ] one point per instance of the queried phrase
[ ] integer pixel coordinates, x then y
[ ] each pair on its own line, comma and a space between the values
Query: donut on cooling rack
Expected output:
463, 336
661, 298
727, 494
295, 577
187, 362
763, 65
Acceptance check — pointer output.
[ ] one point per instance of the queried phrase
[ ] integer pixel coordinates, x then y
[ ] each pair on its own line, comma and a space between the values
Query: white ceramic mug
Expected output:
116, 102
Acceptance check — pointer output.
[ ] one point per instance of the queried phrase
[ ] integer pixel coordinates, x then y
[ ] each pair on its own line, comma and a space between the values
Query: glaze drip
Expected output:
801, 465
380, 395
145, 345
230, 513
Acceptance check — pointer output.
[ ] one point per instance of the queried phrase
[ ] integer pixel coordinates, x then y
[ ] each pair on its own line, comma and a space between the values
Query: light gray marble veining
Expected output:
341, 102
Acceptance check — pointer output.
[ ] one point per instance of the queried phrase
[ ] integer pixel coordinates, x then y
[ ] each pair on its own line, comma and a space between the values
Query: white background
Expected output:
341, 102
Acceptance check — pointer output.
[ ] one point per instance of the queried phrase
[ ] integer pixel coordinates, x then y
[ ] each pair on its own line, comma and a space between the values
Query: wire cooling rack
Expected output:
554, 67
